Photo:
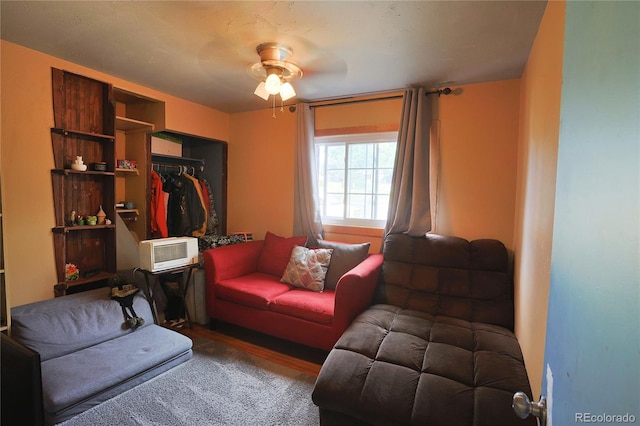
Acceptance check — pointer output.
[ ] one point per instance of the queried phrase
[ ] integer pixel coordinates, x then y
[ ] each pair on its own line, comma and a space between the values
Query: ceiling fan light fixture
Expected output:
261, 91
275, 71
272, 83
287, 91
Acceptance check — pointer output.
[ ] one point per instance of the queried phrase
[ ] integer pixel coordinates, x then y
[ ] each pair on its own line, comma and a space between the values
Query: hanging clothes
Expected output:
199, 225
158, 211
212, 218
178, 221
185, 214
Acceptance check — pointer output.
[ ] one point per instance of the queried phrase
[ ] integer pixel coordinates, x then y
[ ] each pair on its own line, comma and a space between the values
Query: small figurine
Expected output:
101, 216
124, 293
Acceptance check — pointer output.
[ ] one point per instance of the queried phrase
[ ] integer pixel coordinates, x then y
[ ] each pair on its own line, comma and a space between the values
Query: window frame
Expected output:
346, 140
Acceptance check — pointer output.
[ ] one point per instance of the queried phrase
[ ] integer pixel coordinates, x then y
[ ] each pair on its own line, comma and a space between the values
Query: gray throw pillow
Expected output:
344, 258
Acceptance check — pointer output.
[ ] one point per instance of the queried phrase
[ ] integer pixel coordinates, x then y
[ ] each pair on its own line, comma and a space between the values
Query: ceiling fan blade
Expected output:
322, 75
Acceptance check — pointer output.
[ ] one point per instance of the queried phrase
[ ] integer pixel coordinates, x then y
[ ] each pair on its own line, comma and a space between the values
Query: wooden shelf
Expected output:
130, 125
60, 289
119, 211
128, 215
135, 171
98, 276
67, 172
72, 132
62, 229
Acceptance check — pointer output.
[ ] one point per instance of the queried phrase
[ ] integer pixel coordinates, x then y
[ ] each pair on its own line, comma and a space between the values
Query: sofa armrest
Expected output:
355, 291
231, 261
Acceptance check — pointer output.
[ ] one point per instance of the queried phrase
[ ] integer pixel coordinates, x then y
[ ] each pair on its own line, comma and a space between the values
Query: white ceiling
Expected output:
200, 50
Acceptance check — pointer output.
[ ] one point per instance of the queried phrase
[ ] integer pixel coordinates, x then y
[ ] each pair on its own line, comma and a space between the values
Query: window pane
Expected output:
321, 158
387, 154
384, 181
335, 181
359, 206
359, 181
335, 157
382, 207
335, 205
360, 156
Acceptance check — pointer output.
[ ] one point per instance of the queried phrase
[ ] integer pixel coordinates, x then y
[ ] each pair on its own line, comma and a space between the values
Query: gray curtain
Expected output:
410, 204
306, 212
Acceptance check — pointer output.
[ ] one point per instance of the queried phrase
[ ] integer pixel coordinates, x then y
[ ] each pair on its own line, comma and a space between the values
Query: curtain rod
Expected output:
374, 97
356, 99
445, 91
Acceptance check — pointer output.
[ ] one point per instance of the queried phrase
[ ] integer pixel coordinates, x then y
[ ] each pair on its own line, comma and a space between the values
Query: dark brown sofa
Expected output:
438, 350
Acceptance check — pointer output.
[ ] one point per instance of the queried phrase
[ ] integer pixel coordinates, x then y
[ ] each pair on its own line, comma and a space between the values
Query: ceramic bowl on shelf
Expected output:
79, 167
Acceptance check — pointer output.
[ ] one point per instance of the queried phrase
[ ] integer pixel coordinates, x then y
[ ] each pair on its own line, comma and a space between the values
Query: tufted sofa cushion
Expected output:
397, 366
450, 276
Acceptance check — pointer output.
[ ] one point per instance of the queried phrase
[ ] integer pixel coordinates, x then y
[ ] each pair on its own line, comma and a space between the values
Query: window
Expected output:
354, 177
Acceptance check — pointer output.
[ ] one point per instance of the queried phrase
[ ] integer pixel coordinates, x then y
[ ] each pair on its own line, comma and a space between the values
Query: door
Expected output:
592, 356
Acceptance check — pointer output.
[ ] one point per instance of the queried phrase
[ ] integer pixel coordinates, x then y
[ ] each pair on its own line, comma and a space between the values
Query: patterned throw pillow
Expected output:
307, 268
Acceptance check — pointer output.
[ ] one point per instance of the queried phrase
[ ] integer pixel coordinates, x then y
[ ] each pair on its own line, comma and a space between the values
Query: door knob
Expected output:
523, 406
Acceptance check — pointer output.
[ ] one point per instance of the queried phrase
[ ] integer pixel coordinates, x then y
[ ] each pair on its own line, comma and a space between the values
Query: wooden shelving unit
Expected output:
84, 119
136, 117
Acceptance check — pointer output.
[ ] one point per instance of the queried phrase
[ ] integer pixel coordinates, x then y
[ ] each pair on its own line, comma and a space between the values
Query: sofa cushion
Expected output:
307, 268
59, 326
276, 252
311, 306
70, 379
344, 258
256, 290
399, 366
448, 276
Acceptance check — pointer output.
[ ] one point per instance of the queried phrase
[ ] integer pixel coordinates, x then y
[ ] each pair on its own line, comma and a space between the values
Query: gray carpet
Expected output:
218, 386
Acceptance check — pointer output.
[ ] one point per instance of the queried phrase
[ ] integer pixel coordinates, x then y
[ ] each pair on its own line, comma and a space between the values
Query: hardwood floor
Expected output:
292, 355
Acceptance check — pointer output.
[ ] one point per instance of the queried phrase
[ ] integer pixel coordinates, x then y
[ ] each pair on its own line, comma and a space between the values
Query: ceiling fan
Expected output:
275, 71
230, 62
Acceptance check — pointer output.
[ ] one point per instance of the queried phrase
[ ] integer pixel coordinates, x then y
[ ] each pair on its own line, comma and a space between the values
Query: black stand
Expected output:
152, 280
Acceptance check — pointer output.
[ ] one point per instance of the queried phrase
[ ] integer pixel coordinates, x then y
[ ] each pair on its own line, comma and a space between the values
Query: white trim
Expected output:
373, 137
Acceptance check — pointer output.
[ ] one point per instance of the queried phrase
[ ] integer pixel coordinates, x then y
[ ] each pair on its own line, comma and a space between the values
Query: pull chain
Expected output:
274, 107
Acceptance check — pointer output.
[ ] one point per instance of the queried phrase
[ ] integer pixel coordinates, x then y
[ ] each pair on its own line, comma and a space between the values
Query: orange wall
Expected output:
478, 162
537, 157
261, 165
478, 151
27, 158
260, 170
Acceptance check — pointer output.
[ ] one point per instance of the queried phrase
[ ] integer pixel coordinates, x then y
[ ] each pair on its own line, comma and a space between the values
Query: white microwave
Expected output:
167, 253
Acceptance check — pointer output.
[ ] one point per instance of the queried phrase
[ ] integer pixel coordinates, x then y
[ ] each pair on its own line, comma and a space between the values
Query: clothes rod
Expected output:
178, 169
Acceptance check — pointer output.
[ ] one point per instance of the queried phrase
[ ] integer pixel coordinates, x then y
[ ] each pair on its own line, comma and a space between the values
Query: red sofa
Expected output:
243, 285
